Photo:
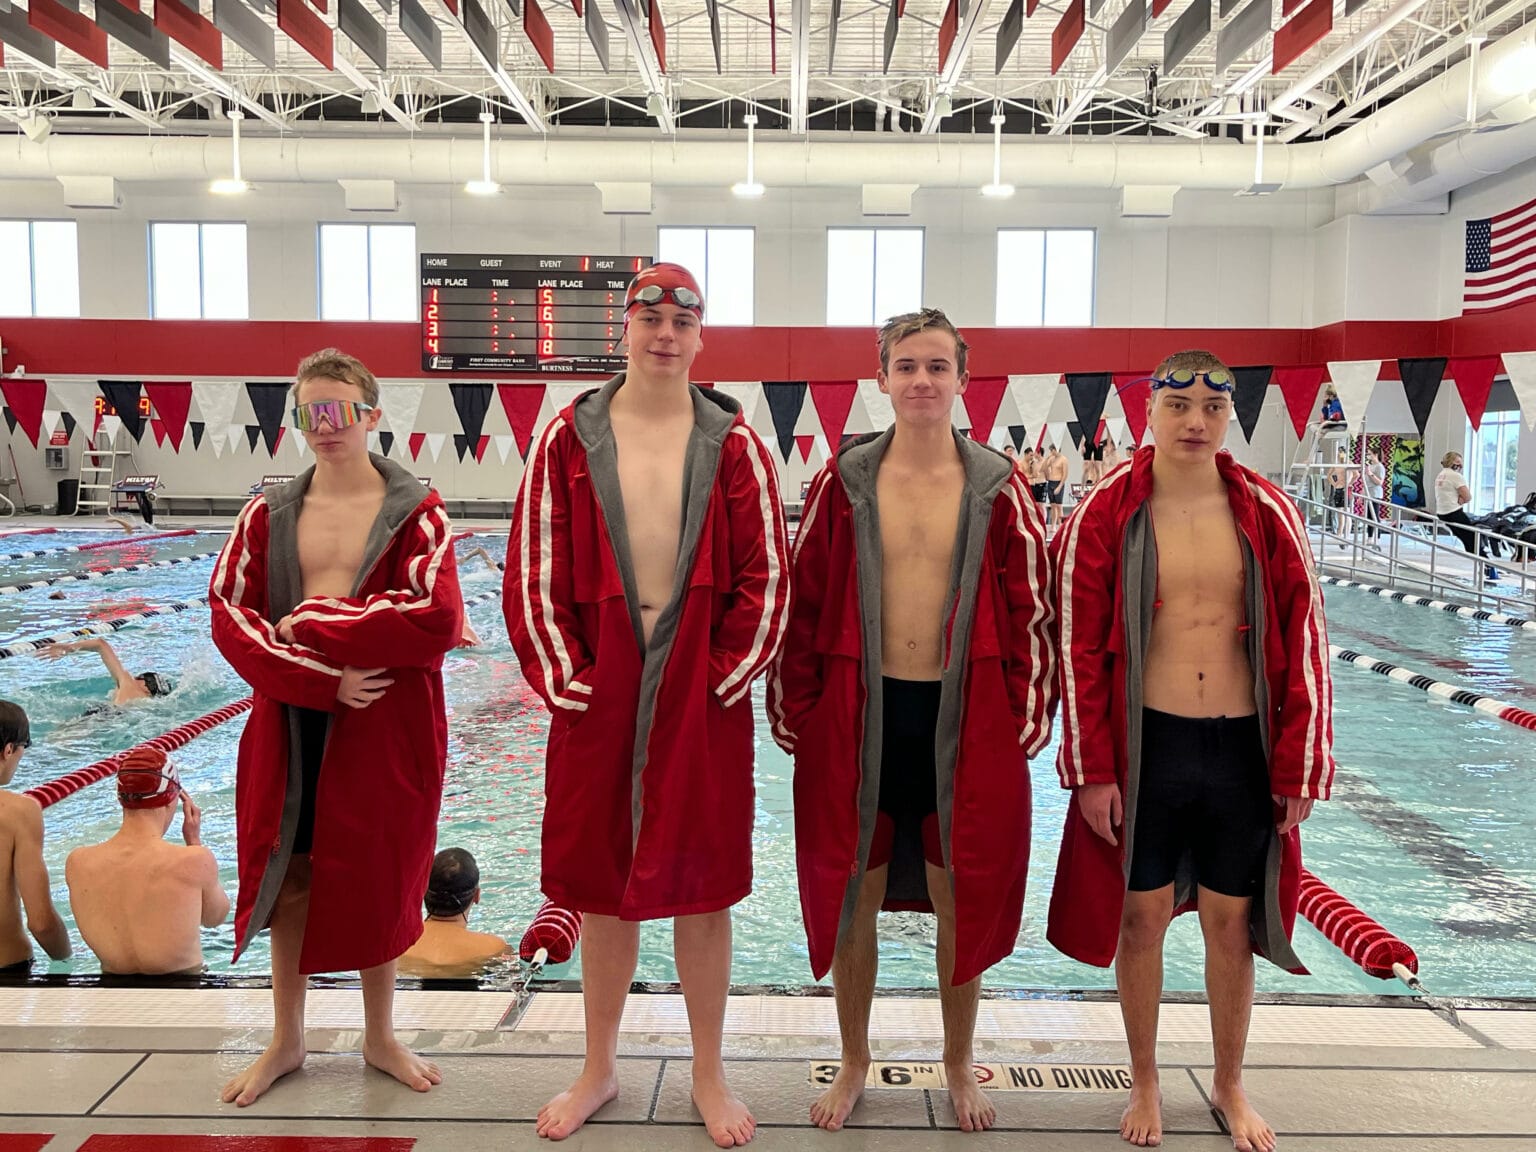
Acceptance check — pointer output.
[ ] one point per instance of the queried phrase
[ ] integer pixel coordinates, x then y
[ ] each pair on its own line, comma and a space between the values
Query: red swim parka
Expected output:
996, 701
648, 773
1106, 577
381, 779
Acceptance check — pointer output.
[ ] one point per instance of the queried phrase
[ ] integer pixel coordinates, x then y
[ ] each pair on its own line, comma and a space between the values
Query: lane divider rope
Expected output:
103, 572
1466, 610
55, 790
1498, 709
101, 628
98, 545
1377, 951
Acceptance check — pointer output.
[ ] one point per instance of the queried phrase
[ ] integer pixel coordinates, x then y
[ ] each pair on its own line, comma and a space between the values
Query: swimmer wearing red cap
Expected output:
138, 900
645, 591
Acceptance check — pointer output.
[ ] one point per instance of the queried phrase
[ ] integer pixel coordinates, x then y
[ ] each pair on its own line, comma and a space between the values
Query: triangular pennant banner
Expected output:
1521, 367
877, 405
1115, 429
1133, 402
1074, 436
217, 404
375, 441
253, 434
1299, 384
401, 403
1016, 433
1088, 391
1421, 385
460, 445
197, 427
1354, 381
522, 402
785, 399
805, 444
157, 426
124, 396
435, 442
1248, 396
69, 423
417, 439
1032, 396
1474, 380
983, 396
386, 443
268, 402
747, 393
111, 425
833, 399
218, 447
172, 403
10, 420
51, 418
504, 446
26, 399
472, 402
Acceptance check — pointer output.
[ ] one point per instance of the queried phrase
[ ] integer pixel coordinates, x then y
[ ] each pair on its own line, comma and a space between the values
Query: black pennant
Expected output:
1088, 390
253, 434
1421, 384
1248, 397
10, 419
197, 427
1075, 434
123, 395
69, 423
463, 444
785, 399
472, 401
268, 401
1016, 433
387, 442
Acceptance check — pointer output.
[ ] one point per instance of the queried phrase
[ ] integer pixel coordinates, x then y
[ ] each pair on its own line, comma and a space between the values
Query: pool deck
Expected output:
76, 1063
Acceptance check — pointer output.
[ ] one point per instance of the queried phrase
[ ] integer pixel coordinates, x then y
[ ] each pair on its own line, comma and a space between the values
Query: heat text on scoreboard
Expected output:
541, 314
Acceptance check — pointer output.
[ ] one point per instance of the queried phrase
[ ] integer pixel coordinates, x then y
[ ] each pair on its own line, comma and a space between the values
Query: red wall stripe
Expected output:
1067, 34
540, 35
74, 31
188, 28
125, 1143
308, 31
1298, 34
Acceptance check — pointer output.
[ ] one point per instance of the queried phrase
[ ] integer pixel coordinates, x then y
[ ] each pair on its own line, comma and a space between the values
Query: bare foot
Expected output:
271, 1066
729, 1123
395, 1059
974, 1112
1142, 1122
573, 1107
834, 1105
1246, 1127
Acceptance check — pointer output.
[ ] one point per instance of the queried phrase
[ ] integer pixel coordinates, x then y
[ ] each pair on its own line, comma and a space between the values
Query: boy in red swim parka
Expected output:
336, 592
647, 586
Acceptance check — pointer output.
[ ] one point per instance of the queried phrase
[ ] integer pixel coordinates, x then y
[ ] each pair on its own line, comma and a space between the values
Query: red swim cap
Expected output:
672, 280
147, 779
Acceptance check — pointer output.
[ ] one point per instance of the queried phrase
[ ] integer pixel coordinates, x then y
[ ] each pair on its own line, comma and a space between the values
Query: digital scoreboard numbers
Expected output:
542, 314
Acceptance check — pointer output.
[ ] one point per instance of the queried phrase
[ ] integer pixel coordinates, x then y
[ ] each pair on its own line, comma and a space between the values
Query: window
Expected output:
197, 272
1045, 277
1490, 462
41, 259
722, 261
873, 274
368, 272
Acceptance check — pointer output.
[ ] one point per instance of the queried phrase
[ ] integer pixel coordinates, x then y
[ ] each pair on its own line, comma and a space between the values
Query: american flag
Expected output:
1501, 259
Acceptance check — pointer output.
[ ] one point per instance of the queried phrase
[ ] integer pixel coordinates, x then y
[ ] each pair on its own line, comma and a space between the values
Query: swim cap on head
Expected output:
157, 683
147, 778
671, 283
451, 886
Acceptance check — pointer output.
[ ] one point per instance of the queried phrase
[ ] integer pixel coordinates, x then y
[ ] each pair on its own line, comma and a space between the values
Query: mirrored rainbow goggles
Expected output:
338, 413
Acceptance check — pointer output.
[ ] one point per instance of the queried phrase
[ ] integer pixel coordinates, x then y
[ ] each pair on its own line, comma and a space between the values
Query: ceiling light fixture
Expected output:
997, 190
749, 189
37, 126
484, 186
655, 107
943, 106
235, 184
372, 105
82, 101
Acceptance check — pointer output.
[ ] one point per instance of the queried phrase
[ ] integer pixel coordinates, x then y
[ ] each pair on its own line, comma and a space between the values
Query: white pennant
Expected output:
218, 445
401, 403
77, 397
111, 425
877, 404
217, 402
1521, 367
1354, 381
747, 393
51, 421
1032, 396
298, 442
374, 443
1116, 426
504, 446
435, 442
234, 435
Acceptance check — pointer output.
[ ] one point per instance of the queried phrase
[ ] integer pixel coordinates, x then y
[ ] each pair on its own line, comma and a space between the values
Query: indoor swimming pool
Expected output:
1429, 831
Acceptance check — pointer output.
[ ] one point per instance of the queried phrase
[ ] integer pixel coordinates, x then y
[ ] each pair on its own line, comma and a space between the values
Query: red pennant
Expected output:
521, 403
1133, 388
25, 399
1299, 385
278, 443
157, 426
982, 397
1474, 380
833, 400
417, 440
480, 449
804, 443
171, 402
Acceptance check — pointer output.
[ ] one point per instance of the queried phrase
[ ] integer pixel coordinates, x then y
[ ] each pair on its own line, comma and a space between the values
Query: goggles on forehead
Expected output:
655, 294
339, 413
1181, 378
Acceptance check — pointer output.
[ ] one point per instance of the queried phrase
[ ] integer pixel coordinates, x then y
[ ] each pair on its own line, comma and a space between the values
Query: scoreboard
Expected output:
548, 314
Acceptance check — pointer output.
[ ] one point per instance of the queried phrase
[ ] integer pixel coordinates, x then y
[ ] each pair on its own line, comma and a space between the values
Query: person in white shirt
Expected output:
1451, 496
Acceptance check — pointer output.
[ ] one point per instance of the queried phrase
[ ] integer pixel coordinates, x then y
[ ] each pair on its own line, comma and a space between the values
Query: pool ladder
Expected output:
97, 478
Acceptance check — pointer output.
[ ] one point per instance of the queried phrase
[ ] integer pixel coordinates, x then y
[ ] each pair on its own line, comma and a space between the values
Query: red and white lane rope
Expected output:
1377, 951
25, 532
55, 790
101, 628
1465, 610
1498, 709
102, 572
121, 542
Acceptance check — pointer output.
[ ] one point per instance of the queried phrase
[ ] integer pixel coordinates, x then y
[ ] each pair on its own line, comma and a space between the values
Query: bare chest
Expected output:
1199, 561
332, 537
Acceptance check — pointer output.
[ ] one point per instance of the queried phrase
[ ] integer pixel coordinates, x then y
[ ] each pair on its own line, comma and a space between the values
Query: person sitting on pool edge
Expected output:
447, 947
127, 686
138, 900
23, 875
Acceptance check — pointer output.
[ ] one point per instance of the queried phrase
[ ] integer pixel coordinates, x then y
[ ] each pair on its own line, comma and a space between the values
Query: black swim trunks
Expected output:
1093, 451
312, 729
1040, 492
909, 789
1057, 490
20, 968
1204, 791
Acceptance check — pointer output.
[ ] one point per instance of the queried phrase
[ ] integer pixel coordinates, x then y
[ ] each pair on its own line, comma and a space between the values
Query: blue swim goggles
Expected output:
1181, 378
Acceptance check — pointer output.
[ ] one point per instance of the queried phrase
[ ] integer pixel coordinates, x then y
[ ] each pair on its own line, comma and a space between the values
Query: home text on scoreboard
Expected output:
545, 314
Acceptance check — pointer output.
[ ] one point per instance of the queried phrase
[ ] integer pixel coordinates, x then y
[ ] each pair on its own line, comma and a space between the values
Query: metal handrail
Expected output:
1350, 552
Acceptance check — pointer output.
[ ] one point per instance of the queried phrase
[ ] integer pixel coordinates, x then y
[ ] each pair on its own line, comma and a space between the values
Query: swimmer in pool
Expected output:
138, 900
23, 875
1191, 766
447, 947
915, 794
127, 687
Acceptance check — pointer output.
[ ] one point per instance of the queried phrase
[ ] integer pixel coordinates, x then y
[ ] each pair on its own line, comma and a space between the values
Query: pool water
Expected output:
1430, 830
